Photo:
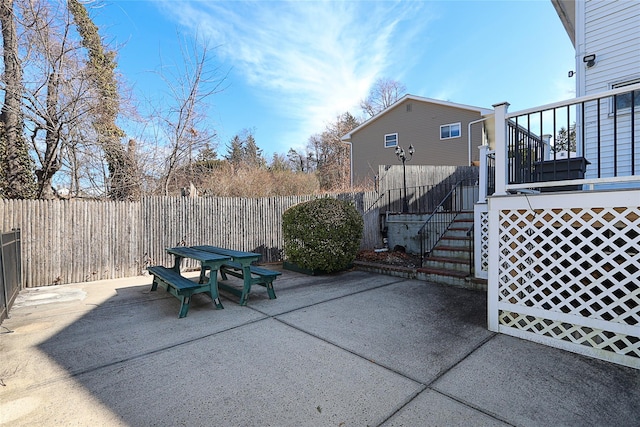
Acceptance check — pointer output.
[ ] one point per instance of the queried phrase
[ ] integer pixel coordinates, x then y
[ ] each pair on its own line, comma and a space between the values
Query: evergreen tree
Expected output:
565, 139
252, 154
235, 150
279, 163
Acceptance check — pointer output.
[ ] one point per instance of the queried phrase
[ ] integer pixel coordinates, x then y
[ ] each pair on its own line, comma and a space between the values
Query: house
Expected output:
607, 42
438, 130
557, 236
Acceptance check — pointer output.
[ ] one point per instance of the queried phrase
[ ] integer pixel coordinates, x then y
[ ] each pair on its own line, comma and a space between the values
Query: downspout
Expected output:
469, 134
350, 162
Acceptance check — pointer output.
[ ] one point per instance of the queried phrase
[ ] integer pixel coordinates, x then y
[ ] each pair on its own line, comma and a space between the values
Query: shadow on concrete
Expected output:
349, 349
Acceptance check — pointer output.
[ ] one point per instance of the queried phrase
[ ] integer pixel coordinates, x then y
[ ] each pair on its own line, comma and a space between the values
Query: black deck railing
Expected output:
560, 141
491, 172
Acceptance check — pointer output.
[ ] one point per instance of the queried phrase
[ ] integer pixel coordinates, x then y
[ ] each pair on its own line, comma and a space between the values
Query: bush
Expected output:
322, 234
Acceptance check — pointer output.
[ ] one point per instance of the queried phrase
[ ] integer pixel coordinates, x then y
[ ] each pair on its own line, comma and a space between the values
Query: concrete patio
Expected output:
351, 349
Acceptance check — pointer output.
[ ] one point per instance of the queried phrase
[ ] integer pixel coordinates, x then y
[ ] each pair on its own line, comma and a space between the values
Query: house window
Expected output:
623, 101
391, 140
450, 131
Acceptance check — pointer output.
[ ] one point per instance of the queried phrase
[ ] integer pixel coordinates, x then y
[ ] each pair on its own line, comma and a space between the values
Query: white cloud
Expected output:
309, 60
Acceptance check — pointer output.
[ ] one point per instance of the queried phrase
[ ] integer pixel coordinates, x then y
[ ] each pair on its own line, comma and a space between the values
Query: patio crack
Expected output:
422, 386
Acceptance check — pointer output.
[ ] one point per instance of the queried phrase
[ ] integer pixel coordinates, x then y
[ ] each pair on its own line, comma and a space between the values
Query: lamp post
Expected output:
403, 158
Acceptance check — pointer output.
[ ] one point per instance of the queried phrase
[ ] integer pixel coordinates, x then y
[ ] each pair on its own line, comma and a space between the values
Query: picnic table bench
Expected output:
181, 287
240, 265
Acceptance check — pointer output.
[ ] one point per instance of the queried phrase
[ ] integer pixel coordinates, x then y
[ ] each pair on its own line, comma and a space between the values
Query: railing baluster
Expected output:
633, 133
583, 131
615, 135
599, 142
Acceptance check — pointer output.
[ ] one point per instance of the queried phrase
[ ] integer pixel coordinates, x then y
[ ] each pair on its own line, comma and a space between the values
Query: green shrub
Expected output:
322, 234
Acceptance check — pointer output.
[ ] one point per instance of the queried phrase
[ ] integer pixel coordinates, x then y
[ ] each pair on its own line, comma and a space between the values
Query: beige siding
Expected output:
418, 125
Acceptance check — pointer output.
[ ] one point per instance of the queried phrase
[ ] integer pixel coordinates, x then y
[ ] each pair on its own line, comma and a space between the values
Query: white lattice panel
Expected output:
576, 263
592, 337
484, 241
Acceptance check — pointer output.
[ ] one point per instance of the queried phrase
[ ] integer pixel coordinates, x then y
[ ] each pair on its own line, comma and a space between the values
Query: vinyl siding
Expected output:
611, 33
419, 127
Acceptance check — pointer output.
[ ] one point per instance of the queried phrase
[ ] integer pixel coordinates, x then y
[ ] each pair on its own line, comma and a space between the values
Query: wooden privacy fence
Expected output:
67, 241
426, 185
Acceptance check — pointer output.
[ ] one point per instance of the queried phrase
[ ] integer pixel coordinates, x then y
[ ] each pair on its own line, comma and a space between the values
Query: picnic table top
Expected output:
200, 255
236, 255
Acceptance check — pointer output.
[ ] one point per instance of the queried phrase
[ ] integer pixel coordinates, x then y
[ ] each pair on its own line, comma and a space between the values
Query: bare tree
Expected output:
124, 183
298, 160
17, 178
383, 94
181, 121
331, 155
57, 97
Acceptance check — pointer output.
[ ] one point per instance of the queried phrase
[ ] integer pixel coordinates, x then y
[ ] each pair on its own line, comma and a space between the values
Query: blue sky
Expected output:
294, 66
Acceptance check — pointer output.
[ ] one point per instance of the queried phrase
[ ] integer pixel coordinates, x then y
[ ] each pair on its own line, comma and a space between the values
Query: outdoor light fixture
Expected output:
590, 60
403, 158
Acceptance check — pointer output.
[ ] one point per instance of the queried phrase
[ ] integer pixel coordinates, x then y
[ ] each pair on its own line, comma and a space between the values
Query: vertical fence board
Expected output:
66, 241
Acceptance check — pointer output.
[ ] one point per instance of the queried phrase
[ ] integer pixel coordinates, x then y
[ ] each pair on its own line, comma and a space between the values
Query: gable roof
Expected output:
480, 110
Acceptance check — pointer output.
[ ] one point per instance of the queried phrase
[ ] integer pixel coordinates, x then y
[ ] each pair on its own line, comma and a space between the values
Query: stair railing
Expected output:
471, 249
441, 219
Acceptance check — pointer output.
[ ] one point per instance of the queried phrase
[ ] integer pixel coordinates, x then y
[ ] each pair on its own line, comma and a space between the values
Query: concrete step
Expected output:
453, 241
451, 278
447, 264
459, 252
457, 232
465, 216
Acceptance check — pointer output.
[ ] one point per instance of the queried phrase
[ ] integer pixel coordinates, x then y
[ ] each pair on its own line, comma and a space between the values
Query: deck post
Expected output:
484, 174
501, 148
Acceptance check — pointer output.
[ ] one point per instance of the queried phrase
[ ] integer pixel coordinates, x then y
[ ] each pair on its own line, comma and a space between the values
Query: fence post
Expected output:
501, 148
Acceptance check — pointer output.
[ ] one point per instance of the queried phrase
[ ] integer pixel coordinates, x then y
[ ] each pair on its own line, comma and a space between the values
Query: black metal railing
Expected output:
443, 216
471, 241
420, 199
559, 142
491, 173
525, 150
10, 270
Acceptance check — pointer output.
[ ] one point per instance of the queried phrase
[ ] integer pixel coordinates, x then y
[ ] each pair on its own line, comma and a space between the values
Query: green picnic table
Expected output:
241, 265
183, 288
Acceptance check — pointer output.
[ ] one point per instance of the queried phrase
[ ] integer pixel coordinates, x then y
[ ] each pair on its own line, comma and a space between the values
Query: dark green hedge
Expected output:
322, 234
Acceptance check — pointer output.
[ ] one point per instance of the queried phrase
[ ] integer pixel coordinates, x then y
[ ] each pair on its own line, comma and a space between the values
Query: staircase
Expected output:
451, 261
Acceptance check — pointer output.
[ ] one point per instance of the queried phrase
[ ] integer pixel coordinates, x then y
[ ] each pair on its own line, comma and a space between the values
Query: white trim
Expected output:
450, 126
573, 101
350, 163
624, 83
385, 140
581, 199
589, 322
469, 136
493, 320
620, 359
591, 181
580, 67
